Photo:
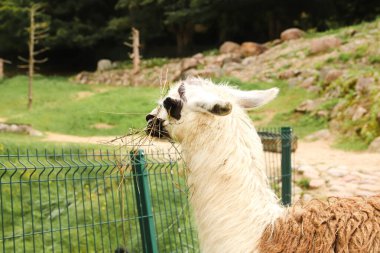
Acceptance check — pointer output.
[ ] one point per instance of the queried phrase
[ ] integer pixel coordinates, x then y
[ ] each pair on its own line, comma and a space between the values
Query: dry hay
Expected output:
339, 225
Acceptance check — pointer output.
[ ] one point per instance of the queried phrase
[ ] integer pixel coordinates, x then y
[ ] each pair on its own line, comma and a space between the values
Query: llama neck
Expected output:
231, 199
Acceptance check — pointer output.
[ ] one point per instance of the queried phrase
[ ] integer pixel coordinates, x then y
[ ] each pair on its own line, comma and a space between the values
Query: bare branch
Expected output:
23, 59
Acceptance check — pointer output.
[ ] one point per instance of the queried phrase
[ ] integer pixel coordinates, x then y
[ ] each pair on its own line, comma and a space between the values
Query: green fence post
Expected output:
143, 201
286, 165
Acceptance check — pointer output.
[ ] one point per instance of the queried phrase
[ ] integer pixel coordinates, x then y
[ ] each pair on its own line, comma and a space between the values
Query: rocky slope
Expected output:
341, 67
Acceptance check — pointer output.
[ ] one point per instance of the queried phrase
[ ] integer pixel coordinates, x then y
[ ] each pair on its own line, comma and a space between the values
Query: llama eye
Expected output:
173, 107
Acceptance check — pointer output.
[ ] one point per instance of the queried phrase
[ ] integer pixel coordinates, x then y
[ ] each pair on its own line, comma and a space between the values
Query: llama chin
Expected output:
234, 208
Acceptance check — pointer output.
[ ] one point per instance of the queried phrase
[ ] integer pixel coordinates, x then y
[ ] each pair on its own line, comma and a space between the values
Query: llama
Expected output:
234, 208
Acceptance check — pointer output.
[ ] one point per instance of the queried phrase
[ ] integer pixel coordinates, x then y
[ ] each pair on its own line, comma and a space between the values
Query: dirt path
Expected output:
331, 172
320, 153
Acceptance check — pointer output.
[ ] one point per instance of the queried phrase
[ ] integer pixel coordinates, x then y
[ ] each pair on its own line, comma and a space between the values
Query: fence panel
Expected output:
103, 201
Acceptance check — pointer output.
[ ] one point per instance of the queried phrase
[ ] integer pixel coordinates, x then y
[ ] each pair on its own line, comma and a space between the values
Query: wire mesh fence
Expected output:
103, 201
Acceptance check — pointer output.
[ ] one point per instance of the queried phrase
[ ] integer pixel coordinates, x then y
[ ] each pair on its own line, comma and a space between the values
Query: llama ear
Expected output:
254, 98
216, 107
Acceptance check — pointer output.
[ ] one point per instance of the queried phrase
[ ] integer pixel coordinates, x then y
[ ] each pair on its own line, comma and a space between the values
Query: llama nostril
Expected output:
149, 117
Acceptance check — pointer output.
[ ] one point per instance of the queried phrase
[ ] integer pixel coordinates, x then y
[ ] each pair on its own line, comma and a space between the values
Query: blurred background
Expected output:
82, 32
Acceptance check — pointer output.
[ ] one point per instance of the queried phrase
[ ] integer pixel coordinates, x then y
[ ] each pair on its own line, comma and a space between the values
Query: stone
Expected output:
359, 113
316, 183
308, 82
292, 34
337, 172
324, 44
103, 64
323, 134
364, 84
375, 145
198, 56
251, 48
307, 106
289, 74
229, 47
330, 75
231, 66
188, 63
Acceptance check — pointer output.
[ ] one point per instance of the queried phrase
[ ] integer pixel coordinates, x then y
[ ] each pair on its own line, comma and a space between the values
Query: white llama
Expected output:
234, 208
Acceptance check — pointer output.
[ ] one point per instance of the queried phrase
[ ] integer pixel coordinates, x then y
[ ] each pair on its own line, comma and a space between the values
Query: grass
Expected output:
58, 106
85, 202
350, 143
280, 111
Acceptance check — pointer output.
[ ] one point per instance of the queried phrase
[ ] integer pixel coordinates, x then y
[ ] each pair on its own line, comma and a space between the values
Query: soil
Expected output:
312, 153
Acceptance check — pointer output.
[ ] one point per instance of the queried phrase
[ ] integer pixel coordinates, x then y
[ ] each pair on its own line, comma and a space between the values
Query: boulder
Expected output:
229, 47
289, 74
364, 85
292, 34
308, 82
375, 145
104, 64
359, 113
324, 44
329, 75
251, 48
307, 106
188, 63
316, 183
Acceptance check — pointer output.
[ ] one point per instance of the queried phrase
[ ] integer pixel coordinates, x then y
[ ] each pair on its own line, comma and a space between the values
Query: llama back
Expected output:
339, 225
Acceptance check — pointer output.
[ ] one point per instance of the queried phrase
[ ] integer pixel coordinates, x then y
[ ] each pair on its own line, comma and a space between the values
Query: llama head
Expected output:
196, 102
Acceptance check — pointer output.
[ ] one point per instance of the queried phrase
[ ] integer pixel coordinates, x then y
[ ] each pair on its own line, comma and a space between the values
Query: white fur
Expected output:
230, 195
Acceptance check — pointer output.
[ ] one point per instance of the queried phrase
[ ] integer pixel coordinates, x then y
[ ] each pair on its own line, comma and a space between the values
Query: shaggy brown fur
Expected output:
339, 225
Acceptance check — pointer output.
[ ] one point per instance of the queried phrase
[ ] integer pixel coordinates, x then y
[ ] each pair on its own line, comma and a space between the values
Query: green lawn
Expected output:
65, 107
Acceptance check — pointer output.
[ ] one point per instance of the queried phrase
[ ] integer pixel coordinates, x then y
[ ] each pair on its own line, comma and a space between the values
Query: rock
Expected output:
198, 56
324, 44
33, 132
359, 113
337, 172
209, 72
229, 58
308, 82
251, 48
304, 168
289, 74
323, 134
231, 66
307, 106
364, 85
292, 34
229, 47
323, 114
188, 63
375, 145
316, 183
103, 64
306, 197
329, 75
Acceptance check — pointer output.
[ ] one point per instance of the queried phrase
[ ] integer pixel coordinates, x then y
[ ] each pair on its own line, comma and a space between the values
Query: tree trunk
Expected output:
31, 57
184, 35
136, 50
1, 68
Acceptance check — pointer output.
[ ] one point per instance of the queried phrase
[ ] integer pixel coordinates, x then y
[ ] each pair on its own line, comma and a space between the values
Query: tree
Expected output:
38, 31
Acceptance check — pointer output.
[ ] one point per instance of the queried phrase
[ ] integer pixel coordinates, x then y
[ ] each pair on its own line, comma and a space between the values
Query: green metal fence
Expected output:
103, 201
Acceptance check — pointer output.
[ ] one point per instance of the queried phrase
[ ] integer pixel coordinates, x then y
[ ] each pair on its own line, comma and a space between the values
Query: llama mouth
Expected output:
155, 128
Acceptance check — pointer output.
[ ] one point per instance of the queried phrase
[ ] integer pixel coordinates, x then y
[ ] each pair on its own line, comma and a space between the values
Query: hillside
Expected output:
339, 69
